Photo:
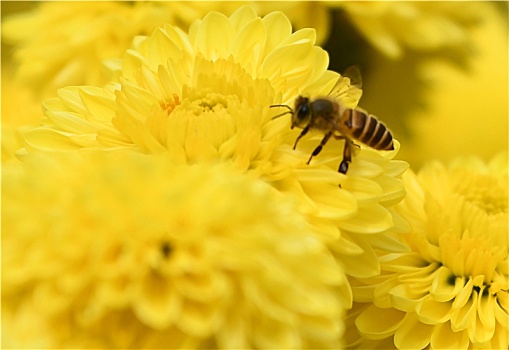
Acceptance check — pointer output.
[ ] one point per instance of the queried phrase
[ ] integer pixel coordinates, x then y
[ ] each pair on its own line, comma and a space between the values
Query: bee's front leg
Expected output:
303, 132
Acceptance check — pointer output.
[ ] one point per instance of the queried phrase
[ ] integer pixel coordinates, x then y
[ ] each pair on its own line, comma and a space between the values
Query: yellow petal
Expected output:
272, 335
383, 296
501, 309
214, 36
202, 287
298, 68
165, 43
442, 290
242, 17
388, 242
374, 219
402, 262
100, 106
464, 296
461, 318
71, 122
248, 45
279, 27
157, 303
499, 340
363, 294
393, 192
444, 338
370, 322
234, 332
370, 266
486, 305
198, 320
412, 334
404, 298
49, 139
70, 98
431, 311
481, 329
362, 188
330, 200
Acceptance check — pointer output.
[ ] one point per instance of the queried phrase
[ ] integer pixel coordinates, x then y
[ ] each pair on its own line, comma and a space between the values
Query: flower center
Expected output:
486, 192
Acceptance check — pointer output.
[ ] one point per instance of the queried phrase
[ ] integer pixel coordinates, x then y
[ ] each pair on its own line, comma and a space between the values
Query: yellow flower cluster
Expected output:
156, 201
202, 97
450, 291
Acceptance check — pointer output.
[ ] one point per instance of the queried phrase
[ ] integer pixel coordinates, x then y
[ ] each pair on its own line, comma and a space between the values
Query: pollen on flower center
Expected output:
212, 100
169, 104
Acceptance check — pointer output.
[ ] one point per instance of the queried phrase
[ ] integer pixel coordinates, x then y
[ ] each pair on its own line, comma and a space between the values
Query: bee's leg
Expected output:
347, 156
303, 132
320, 146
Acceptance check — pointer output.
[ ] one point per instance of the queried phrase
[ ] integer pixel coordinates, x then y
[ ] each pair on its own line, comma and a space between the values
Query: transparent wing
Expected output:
354, 73
348, 87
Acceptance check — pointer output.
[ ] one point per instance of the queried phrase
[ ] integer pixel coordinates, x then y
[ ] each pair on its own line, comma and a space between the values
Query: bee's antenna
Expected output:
290, 110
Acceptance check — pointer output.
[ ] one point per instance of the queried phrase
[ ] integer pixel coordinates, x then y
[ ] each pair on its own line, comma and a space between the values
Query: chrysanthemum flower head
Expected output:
451, 290
114, 250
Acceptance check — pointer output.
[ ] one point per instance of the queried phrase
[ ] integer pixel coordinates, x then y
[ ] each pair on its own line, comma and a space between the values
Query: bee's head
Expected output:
302, 115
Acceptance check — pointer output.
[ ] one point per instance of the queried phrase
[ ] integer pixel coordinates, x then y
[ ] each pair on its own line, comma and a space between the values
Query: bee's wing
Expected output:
354, 73
348, 87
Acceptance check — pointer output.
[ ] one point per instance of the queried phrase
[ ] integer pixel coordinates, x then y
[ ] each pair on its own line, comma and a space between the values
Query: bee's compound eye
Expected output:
303, 111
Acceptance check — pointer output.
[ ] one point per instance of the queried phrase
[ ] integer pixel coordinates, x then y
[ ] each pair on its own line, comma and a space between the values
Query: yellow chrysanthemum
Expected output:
451, 290
205, 97
123, 250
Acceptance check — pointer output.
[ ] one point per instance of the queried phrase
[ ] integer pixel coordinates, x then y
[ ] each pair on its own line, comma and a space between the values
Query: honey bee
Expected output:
330, 116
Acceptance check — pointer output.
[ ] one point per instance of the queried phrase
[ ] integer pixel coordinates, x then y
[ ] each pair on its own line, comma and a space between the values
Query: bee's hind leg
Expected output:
347, 157
318, 149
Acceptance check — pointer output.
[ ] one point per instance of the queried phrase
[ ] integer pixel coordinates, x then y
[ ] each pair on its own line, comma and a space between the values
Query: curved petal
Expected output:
441, 289
279, 27
404, 298
373, 219
214, 36
369, 325
444, 338
412, 334
50, 139
431, 311
462, 317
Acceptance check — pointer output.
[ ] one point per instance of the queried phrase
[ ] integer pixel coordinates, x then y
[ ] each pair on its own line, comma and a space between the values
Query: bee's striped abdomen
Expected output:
368, 130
